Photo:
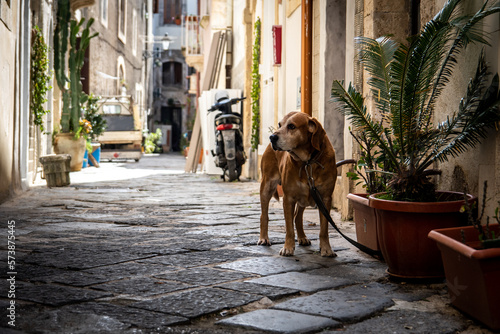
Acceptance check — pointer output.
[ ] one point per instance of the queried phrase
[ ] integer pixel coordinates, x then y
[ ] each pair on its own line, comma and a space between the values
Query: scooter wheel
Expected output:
231, 169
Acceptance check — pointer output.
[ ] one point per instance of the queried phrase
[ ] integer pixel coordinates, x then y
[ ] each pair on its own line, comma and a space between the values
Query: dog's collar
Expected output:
308, 164
314, 158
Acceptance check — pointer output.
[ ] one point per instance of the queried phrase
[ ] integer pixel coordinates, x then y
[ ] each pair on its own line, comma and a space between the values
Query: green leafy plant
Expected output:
91, 113
406, 81
39, 76
67, 31
151, 142
487, 237
369, 169
255, 92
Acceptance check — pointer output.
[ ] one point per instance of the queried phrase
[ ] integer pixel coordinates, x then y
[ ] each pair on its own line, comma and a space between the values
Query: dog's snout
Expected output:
274, 138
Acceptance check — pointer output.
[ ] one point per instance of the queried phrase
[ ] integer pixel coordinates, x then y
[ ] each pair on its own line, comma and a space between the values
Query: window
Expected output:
172, 73
156, 6
134, 32
172, 10
104, 12
122, 20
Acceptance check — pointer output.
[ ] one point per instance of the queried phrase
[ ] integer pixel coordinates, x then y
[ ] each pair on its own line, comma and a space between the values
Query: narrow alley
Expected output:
146, 248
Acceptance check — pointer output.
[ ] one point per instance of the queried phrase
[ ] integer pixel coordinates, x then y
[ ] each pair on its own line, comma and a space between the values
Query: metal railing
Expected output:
192, 38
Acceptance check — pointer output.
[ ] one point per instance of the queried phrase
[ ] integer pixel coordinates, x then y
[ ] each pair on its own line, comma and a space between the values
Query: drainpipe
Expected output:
306, 64
229, 42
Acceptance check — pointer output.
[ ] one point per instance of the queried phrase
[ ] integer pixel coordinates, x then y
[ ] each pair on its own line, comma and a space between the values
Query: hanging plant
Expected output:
255, 92
39, 77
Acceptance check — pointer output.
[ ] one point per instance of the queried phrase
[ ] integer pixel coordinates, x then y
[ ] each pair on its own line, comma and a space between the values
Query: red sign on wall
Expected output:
277, 44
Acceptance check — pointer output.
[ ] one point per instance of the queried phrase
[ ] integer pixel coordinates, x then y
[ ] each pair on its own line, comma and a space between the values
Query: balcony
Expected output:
193, 45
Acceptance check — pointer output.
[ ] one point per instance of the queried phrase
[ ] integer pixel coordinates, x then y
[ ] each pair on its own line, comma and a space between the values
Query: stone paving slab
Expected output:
270, 265
42, 320
302, 281
56, 295
198, 258
142, 287
355, 271
130, 315
346, 305
85, 258
82, 278
277, 321
192, 304
271, 292
408, 321
205, 276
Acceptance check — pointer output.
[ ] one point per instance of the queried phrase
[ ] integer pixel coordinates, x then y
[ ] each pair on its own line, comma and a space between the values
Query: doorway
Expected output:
173, 116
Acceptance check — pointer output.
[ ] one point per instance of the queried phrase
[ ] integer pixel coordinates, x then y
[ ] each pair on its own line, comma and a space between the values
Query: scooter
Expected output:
229, 153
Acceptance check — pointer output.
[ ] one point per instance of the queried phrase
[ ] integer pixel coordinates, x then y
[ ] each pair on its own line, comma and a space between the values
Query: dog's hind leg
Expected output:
299, 225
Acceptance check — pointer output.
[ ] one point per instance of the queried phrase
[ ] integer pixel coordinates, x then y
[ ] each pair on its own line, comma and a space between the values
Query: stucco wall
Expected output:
292, 60
238, 73
8, 24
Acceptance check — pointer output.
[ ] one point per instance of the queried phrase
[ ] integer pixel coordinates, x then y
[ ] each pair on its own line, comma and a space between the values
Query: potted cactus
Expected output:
405, 80
72, 137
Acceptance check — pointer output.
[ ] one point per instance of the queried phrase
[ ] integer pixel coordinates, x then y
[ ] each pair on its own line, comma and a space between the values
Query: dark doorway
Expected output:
173, 116
85, 74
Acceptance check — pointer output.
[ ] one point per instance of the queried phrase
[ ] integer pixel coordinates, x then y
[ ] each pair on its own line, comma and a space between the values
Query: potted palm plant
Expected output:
405, 80
471, 258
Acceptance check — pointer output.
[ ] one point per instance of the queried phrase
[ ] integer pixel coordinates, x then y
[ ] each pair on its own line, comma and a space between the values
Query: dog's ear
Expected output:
318, 133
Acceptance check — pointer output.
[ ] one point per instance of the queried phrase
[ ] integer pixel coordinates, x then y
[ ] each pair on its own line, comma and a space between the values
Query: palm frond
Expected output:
467, 32
376, 56
477, 113
352, 106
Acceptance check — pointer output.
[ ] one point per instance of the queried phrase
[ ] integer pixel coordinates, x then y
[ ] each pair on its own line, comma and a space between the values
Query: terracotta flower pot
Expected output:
65, 143
365, 220
472, 274
402, 229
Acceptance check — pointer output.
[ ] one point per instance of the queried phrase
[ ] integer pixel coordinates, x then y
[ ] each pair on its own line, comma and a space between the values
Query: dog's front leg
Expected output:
324, 238
289, 211
267, 188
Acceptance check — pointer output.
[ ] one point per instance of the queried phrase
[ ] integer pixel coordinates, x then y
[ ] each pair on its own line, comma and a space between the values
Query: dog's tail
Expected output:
276, 195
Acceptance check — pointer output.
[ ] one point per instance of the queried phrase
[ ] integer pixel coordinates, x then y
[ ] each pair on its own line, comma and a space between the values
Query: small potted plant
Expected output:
97, 126
471, 258
405, 80
178, 20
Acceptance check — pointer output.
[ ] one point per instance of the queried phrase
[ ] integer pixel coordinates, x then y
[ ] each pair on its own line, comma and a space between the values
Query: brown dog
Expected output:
299, 140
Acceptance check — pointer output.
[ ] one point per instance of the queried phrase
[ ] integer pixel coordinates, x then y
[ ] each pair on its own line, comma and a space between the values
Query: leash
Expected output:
326, 213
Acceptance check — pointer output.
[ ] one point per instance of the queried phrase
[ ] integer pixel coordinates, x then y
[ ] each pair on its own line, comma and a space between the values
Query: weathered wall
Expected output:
292, 59
8, 39
106, 49
334, 69
471, 169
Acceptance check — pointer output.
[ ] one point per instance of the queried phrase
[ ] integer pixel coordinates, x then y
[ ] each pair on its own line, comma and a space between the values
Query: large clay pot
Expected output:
65, 143
365, 220
472, 274
402, 229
